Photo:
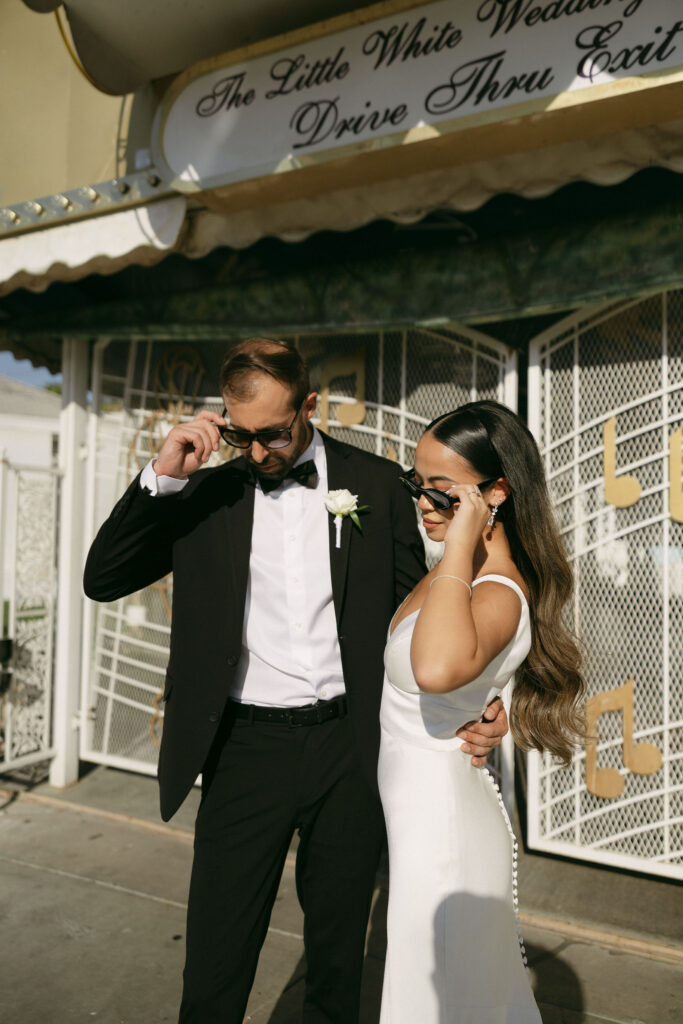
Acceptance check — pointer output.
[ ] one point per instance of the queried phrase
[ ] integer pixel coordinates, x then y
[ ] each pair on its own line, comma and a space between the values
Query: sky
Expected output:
21, 369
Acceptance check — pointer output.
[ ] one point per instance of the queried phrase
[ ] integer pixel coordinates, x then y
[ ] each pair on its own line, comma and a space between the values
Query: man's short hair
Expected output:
244, 363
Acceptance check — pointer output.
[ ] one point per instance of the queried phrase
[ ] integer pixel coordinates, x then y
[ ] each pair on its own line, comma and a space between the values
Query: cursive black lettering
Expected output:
594, 39
601, 58
317, 120
370, 120
226, 94
479, 80
294, 74
399, 42
506, 14
314, 120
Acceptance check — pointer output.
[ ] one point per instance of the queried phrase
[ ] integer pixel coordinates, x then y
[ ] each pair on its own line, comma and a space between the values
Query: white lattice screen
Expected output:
28, 578
606, 405
378, 390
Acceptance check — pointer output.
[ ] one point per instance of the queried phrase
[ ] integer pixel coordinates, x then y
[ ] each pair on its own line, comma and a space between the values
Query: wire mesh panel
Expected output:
606, 405
139, 393
28, 520
377, 391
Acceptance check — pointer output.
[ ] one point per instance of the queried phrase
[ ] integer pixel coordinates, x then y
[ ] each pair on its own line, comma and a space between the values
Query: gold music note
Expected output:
641, 758
345, 366
675, 475
621, 491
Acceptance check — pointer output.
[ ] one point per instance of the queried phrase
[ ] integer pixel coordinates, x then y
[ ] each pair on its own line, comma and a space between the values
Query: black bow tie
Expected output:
305, 473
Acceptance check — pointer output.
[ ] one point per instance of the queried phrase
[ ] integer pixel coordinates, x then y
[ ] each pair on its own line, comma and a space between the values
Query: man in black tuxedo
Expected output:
280, 615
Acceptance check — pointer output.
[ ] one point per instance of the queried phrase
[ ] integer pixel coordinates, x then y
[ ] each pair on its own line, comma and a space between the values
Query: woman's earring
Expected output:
492, 518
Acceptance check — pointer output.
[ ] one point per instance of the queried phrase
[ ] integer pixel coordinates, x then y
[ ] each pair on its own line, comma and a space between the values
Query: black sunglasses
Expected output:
271, 439
439, 499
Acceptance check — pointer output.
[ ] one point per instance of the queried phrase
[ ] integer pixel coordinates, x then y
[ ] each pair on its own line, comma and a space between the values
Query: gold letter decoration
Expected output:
621, 491
676, 475
349, 415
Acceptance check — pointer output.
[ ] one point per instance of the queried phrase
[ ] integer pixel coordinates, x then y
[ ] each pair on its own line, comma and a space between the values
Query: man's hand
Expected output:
189, 445
481, 737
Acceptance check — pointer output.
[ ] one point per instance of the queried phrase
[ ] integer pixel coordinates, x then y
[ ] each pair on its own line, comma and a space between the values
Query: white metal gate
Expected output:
377, 391
28, 523
606, 406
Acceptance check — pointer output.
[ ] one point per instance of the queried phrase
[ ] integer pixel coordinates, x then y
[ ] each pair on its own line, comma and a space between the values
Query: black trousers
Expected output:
261, 783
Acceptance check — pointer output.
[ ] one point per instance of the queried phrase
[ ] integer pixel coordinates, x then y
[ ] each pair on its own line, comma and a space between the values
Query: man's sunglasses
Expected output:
271, 439
439, 499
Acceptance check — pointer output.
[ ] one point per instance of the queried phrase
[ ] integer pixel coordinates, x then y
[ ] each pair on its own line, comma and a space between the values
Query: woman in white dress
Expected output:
489, 609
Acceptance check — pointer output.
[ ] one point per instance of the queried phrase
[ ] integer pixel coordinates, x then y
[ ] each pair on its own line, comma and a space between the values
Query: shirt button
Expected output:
232, 660
292, 537
214, 716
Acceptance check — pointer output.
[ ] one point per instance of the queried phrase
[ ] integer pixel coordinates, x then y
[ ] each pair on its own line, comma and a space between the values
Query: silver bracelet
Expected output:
447, 576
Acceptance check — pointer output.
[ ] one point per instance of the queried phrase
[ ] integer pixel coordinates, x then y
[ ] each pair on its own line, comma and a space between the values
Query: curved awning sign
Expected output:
406, 77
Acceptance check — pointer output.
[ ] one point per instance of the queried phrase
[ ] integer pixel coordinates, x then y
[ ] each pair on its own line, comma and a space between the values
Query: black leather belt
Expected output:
310, 714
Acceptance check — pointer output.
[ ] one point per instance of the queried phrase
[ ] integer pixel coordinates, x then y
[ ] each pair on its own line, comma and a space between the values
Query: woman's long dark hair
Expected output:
547, 699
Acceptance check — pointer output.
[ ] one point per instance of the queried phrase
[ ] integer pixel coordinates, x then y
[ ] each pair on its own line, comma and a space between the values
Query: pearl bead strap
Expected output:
515, 857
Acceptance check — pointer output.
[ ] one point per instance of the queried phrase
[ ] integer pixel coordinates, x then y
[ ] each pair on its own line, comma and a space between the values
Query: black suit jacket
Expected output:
203, 535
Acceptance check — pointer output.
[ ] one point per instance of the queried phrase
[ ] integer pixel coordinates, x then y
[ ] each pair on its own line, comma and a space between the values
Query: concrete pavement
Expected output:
92, 901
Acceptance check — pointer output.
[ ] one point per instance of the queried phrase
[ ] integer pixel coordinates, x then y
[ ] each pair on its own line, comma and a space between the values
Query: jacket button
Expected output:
214, 716
232, 660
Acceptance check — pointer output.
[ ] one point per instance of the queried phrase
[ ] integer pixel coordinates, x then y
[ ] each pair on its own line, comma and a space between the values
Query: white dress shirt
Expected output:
290, 651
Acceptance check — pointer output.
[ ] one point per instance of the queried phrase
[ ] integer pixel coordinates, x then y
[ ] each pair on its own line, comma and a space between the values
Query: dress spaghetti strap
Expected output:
497, 578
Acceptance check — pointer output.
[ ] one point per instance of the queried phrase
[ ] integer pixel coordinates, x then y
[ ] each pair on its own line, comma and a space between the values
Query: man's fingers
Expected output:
480, 738
199, 440
203, 426
207, 414
479, 744
189, 445
480, 730
493, 709
477, 740
203, 436
479, 749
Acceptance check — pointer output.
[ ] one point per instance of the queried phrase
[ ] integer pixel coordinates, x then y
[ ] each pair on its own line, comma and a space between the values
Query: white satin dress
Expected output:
454, 953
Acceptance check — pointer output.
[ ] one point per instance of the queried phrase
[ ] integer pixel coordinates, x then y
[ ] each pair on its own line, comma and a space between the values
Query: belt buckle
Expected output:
289, 718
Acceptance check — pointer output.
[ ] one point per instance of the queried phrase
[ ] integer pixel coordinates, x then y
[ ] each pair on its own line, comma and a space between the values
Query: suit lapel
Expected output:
340, 476
236, 523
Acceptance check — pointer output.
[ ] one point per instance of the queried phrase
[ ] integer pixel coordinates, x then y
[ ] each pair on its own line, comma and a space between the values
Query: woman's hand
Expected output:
469, 517
189, 445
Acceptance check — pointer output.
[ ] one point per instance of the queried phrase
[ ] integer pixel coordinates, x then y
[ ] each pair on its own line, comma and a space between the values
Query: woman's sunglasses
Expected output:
439, 499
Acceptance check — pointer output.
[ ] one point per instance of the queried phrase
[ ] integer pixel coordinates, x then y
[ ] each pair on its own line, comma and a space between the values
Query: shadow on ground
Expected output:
556, 985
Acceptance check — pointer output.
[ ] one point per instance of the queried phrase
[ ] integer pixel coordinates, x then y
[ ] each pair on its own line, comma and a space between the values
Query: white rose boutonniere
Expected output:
340, 504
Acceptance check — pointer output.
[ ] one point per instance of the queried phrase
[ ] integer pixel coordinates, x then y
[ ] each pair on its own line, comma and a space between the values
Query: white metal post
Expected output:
90, 495
4, 595
72, 437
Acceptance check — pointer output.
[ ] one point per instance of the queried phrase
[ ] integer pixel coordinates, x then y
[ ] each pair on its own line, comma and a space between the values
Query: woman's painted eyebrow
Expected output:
433, 479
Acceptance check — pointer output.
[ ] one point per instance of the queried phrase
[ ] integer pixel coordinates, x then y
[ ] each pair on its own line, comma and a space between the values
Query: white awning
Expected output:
65, 252
603, 160
145, 234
